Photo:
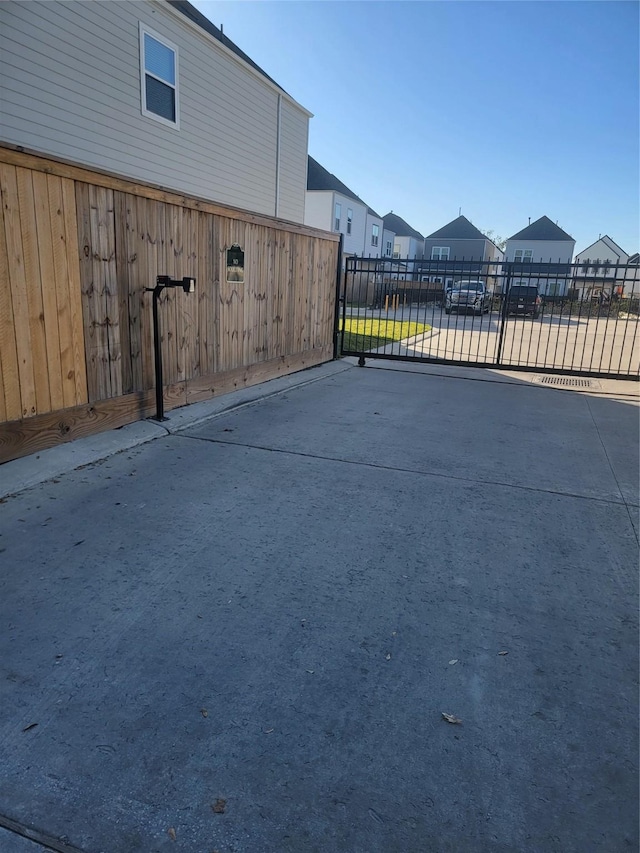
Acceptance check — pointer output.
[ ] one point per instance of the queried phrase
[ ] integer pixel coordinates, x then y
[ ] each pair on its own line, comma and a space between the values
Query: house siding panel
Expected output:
459, 249
71, 88
294, 128
318, 209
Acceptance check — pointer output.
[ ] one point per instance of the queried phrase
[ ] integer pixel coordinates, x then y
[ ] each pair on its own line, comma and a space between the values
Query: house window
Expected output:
389, 251
440, 253
396, 250
337, 217
524, 255
349, 219
375, 234
159, 78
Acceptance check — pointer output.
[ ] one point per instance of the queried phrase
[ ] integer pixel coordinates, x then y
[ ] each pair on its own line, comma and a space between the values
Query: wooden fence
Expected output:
77, 250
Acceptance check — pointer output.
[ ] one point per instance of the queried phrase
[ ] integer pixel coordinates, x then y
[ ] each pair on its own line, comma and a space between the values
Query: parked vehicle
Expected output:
468, 296
524, 299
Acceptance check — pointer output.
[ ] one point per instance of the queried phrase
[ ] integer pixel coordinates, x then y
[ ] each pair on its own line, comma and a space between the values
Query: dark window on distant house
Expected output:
375, 234
349, 219
159, 78
389, 251
440, 253
337, 217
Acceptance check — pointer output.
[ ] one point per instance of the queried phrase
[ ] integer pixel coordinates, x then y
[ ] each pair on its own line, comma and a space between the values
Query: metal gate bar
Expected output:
553, 317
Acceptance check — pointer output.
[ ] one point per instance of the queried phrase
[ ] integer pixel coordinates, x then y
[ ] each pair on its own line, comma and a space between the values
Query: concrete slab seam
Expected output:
406, 470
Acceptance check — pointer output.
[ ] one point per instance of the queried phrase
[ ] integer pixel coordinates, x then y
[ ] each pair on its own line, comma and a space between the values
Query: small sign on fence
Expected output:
235, 264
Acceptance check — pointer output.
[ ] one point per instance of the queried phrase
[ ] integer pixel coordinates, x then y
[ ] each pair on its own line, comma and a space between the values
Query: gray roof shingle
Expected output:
459, 229
400, 228
543, 229
319, 178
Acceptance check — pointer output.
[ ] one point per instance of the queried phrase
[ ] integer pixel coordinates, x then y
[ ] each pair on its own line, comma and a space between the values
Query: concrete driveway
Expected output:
242, 637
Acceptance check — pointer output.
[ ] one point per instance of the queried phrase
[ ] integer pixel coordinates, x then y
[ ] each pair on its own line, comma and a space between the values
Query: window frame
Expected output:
375, 238
440, 250
396, 253
337, 215
349, 220
524, 259
145, 30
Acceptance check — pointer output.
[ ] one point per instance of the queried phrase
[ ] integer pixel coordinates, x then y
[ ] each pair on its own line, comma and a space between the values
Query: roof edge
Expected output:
261, 75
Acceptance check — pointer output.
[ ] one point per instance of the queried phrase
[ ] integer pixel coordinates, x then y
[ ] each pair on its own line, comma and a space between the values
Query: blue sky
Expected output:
507, 109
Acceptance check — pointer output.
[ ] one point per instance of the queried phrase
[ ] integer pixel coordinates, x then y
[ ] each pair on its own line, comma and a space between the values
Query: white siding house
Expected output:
151, 90
407, 243
542, 242
388, 239
331, 205
601, 268
373, 238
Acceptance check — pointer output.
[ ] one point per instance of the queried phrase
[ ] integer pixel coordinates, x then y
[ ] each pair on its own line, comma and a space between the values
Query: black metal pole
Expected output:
336, 319
157, 354
505, 307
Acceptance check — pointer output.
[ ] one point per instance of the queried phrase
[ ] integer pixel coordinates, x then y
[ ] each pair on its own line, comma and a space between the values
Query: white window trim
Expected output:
439, 250
143, 72
527, 256
375, 238
349, 220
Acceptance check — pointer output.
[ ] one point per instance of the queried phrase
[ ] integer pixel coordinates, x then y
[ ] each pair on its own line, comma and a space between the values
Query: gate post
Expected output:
503, 318
339, 299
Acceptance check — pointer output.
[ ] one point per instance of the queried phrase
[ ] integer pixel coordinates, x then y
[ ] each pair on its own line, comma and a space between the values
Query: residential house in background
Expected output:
459, 241
598, 271
541, 242
408, 242
151, 91
333, 206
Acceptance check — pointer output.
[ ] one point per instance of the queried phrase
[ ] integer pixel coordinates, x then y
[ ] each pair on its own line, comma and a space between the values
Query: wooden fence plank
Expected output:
190, 300
99, 256
75, 288
122, 285
61, 277
148, 226
37, 334
88, 289
18, 289
8, 350
136, 266
48, 290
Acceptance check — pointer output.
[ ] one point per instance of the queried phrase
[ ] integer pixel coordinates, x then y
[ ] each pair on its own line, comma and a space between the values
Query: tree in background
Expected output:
495, 238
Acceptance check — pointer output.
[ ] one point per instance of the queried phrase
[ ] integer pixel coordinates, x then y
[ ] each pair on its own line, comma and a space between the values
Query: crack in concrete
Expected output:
469, 480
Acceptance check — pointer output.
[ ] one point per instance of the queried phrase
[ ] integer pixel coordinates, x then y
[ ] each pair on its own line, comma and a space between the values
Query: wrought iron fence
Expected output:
555, 316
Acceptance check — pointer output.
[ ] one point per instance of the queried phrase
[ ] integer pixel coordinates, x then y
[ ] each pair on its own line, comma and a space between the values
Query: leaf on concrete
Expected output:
451, 662
268, 731
219, 806
387, 656
171, 833
204, 712
311, 671
30, 726
451, 718
503, 653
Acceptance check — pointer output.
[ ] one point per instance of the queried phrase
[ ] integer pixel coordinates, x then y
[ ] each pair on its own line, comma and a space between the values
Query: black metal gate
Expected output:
551, 317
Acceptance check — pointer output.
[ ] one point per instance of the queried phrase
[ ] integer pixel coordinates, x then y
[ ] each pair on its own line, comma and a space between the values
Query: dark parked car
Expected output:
468, 296
524, 299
